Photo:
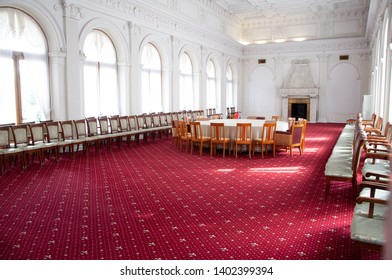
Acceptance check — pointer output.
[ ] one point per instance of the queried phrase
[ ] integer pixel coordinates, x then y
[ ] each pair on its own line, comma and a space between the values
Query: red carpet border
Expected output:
151, 201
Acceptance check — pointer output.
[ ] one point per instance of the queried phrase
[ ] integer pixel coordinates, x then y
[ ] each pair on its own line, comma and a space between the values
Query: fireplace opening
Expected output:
299, 110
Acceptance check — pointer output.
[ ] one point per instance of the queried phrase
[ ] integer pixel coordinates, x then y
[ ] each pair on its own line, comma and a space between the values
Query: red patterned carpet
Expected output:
151, 201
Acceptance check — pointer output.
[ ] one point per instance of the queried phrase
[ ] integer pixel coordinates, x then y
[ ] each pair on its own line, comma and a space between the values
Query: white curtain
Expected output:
151, 80
108, 89
91, 89
229, 88
35, 87
186, 83
20, 34
211, 85
100, 76
7, 88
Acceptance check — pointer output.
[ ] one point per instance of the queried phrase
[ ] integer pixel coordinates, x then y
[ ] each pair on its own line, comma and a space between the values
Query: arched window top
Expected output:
229, 73
19, 32
211, 69
150, 57
99, 47
185, 64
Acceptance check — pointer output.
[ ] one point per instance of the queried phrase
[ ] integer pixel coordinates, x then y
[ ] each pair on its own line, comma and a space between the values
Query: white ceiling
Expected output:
269, 20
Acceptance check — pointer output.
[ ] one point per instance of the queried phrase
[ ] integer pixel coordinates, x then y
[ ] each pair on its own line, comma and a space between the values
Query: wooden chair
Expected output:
217, 134
7, 152
275, 118
371, 122
166, 127
243, 136
290, 140
185, 136
267, 138
93, 130
142, 125
114, 131
69, 137
377, 128
368, 221
343, 170
133, 126
305, 124
81, 134
40, 138
22, 139
176, 132
54, 135
197, 136
123, 126
104, 131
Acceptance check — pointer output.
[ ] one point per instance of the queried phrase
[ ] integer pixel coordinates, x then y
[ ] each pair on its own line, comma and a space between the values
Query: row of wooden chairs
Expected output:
369, 215
243, 136
40, 140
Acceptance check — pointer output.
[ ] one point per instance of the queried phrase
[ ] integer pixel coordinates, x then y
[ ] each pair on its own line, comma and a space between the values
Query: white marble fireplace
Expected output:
300, 88
308, 95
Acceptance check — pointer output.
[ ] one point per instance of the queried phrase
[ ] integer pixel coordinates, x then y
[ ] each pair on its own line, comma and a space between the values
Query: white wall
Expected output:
323, 59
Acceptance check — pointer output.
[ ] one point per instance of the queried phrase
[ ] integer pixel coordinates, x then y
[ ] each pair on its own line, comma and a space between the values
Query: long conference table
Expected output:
230, 127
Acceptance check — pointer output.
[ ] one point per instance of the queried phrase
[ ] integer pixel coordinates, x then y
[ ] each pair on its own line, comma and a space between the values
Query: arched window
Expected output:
211, 85
186, 83
24, 78
151, 80
229, 87
100, 76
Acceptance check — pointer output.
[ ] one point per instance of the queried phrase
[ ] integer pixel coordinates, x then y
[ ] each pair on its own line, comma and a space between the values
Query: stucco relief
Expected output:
299, 84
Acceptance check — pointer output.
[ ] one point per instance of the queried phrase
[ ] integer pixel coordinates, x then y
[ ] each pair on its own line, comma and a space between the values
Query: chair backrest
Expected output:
296, 133
196, 132
141, 121
103, 125
163, 119
52, 129
217, 131
184, 129
373, 119
378, 123
67, 131
243, 131
169, 118
357, 148
269, 129
275, 118
155, 120
304, 122
124, 123
20, 134
37, 133
148, 120
176, 128
81, 128
174, 116
5, 136
92, 126
114, 125
133, 123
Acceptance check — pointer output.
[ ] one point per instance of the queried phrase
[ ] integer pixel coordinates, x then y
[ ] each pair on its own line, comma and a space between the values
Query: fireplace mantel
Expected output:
311, 93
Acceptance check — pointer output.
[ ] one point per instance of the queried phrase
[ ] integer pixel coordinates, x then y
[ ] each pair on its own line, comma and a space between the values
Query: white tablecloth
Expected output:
230, 126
